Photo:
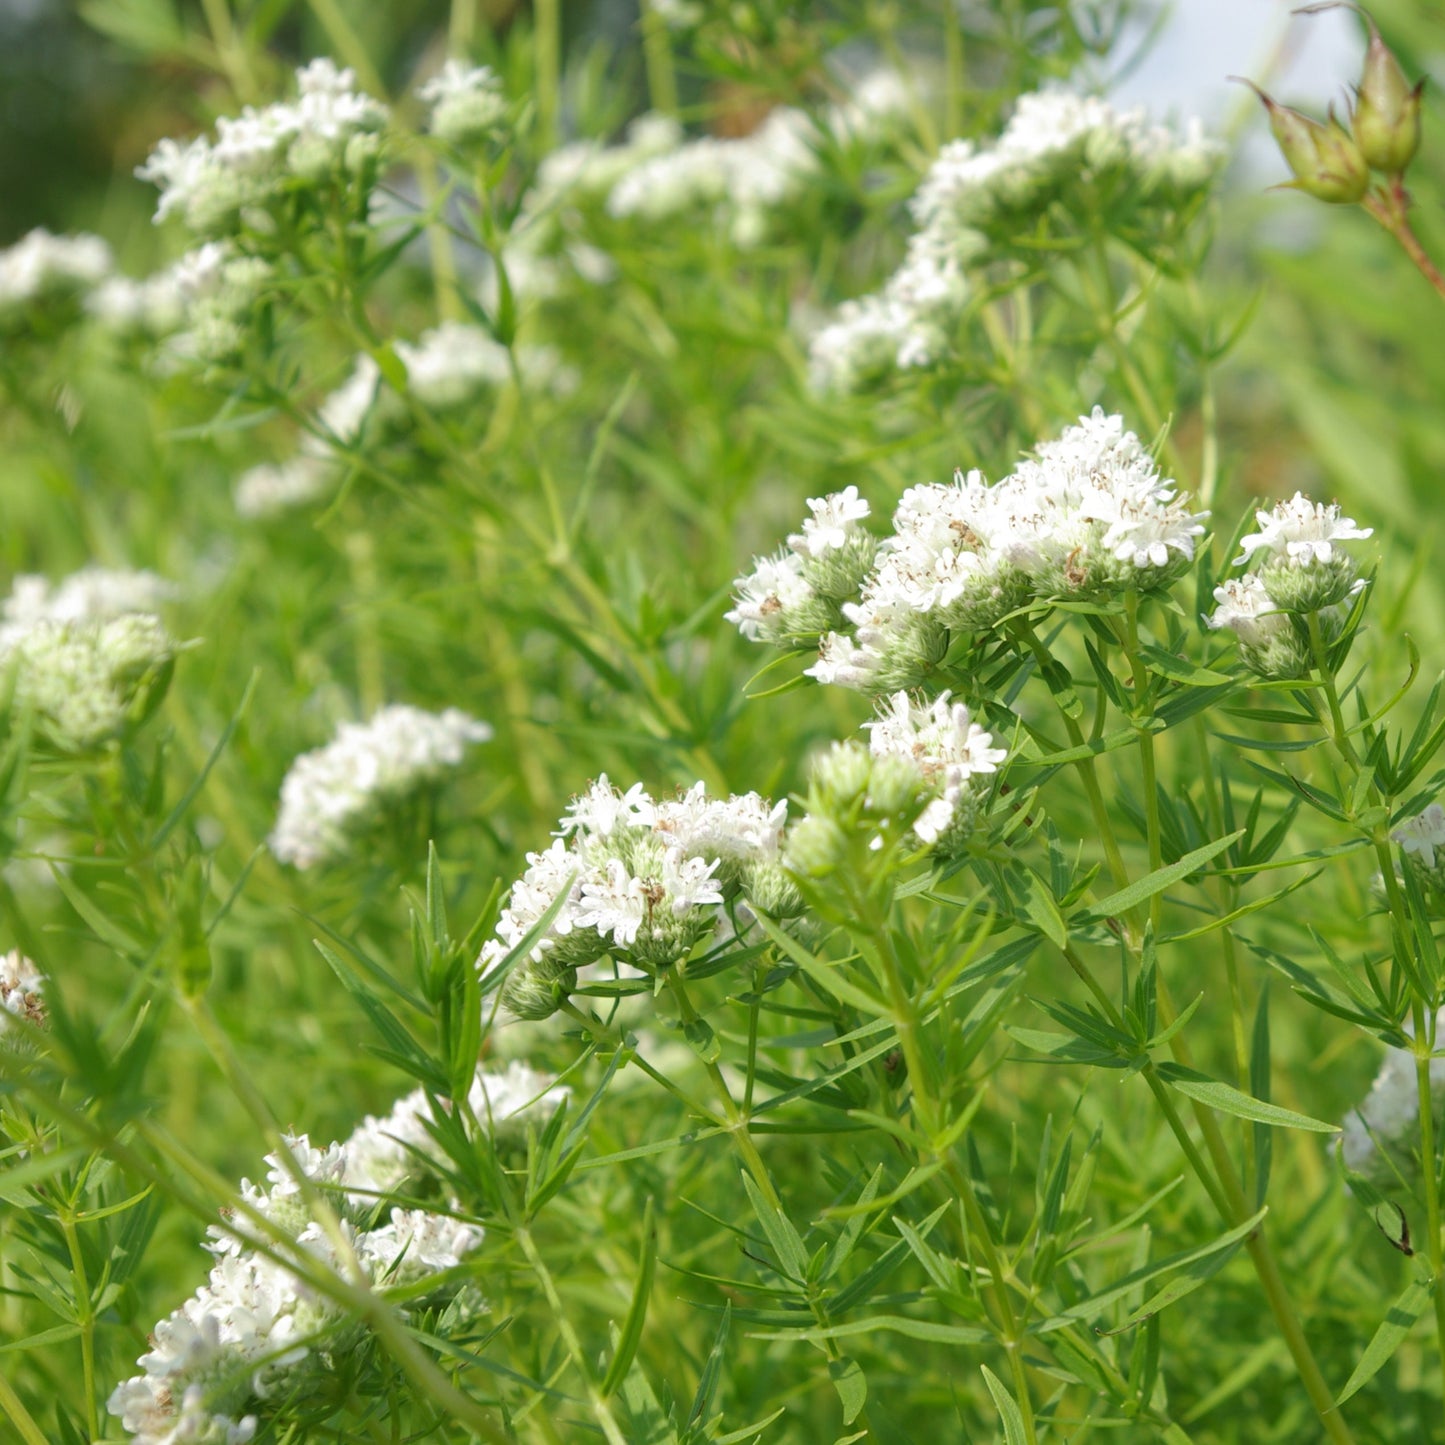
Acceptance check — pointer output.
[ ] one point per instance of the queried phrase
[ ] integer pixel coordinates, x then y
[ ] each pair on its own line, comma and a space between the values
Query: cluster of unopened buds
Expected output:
1363, 163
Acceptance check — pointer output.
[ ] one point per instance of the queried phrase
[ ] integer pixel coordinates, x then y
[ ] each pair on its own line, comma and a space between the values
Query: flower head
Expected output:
336, 793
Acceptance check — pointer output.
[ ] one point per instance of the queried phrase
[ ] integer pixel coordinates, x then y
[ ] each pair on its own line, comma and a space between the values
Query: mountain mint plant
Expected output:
961, 1020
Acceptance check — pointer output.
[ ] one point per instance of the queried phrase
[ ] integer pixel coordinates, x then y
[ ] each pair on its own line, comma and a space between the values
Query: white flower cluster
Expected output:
247, 1334
22, 988
1303, 570
335, 793
201, 302
795, 595
920, 771
467, 103
740, 182
1090, 516
87, 659
1058, 147
331, 130
40, 270
641, 880
94, 594
383, 1153
452, 364
948, 749
1381, 1129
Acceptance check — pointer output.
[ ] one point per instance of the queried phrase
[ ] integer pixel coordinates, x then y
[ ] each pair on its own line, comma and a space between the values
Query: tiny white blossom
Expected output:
22, 988
833, 525
602, 810
467, 102
1247, 609
1422, 835
272, 488
1389, 1114
770, 597
1305, 531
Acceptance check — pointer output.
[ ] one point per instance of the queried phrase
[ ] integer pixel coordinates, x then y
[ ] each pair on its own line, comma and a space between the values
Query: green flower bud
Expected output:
841, 776
531, 992
1281, 658
1312, 588
1387, 112
767, 886
816, 846
1325, 160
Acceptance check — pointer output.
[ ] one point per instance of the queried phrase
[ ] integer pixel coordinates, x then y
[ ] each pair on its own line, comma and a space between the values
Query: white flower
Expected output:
276, 487
329, 129
603, 810
246, 1335
614, 903
1304, 530
85, 682
770, 598
739, 829
343, 414
1390, 1112
946, 746
1247, 609
333, 793
1422, 835
22, 987
383, 1151
94, 594
1058, 147
466, 102
688, 882
41, 268
452, 364
833, 525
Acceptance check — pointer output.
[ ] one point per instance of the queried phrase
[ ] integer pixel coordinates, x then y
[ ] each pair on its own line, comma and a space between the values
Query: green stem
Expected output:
1223, 1188
20, 1417
657, 55
1390, 208
84, 1317
547, 52
601, 1410
1147, 759
229, 49
737, 1131
461, 27
906, 1022
347, 44
1424, 1041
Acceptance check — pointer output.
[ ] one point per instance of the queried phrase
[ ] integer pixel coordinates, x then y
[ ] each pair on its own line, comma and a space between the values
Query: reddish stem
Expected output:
1389, 208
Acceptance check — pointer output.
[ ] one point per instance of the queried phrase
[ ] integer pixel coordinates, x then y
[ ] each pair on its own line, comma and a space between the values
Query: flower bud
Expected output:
532, 993
1387, 112
816, 846
1326, 162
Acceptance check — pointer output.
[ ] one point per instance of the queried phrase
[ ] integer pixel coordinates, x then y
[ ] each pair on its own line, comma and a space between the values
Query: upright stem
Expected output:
737, 1130
1222, 1186
601, 1410
657, 55
20, 1417
547, 53
84, 1317
1146, 750
926, 1111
